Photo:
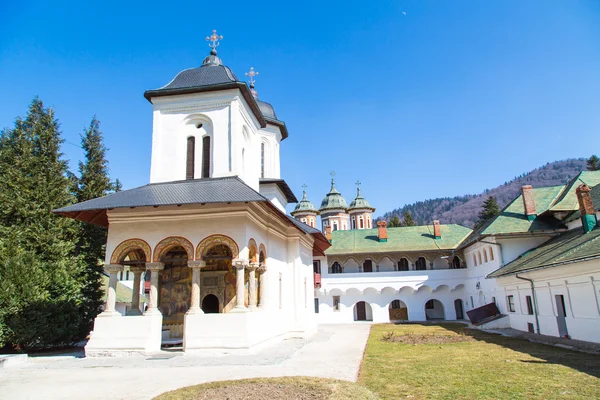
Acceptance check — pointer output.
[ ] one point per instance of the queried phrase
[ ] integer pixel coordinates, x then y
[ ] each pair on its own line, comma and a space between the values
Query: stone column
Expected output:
252, 285
154, 268
196, 266
239, 265
135, 297
261, 286
111, 292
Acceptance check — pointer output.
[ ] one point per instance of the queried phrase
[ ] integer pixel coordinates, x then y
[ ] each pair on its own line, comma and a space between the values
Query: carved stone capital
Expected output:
240, 263
138, 269
113, 268
155, 266
253, 266
196, 264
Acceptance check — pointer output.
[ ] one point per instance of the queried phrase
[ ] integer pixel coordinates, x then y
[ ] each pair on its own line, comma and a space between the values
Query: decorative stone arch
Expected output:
442, 287
351, 258
408, 290
168, 243
379, 259
425, 288
213, 240
353, 292
370, 290
458, 287
388, 290
127, 246
252, 250
397, 310
438, 313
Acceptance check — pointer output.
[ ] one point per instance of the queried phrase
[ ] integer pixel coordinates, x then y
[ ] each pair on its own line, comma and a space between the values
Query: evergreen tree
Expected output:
394, 221
593, 163
33, 182
93, 182
408, 219
489, 210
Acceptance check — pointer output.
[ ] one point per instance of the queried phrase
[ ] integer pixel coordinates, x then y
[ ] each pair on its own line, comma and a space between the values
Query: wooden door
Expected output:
361, 312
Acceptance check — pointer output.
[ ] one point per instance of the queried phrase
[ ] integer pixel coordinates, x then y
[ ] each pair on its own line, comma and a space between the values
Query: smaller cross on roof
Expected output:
304, 187
252, 73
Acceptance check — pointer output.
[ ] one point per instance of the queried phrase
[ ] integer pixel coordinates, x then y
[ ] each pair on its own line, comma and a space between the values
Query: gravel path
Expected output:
334, 352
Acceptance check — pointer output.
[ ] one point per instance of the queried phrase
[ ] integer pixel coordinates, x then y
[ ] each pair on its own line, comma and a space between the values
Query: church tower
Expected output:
361, 212
209, 124
305, 211
333, 210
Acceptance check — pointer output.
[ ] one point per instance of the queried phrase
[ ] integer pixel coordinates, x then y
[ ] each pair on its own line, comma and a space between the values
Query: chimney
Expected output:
382, 231
328, 233
586, 208
437, 231
528, 202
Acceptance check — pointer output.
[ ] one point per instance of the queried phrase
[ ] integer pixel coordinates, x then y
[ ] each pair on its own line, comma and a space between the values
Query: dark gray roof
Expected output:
194, 191
267, 109
283, 186
305, 228
205, 75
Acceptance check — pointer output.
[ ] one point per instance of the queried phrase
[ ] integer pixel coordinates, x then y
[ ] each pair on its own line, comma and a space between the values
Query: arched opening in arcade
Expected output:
210, 304
174, 294
398, 311
133, 257
218, 278
363, 311
434, 310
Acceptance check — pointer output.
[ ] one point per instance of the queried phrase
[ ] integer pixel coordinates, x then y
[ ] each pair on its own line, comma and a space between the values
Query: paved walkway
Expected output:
334, 352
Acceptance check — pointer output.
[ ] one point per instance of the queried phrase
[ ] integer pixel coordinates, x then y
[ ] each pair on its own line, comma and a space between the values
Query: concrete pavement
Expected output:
334, 352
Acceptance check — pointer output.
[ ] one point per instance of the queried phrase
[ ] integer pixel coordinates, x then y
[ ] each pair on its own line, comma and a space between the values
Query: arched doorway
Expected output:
434, 310
363, 311
210, 304
458, 307
219, 276
398, 311
174, 294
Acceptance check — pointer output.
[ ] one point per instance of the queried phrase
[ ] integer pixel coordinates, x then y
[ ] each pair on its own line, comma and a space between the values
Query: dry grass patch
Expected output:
288, 388
472, 365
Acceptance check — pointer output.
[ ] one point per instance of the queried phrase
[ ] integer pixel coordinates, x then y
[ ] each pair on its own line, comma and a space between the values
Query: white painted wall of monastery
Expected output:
579, 284
226, 118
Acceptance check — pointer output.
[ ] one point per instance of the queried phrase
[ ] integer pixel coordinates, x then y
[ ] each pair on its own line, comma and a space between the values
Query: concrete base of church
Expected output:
230, 331
125, 335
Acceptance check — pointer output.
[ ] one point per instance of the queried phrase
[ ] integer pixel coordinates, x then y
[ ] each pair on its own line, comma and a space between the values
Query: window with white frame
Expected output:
510, 301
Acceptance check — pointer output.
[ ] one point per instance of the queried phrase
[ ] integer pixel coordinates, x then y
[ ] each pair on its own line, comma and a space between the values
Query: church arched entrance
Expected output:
174, 295
210, 304
398, 311
218, 277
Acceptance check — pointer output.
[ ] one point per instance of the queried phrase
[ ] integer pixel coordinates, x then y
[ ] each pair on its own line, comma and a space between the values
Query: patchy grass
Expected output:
289, 388
484, 366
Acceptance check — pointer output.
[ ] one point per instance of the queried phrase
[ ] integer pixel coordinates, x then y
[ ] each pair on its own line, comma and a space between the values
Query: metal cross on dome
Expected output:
304, 187
358, 184
214, 39
252, 73
332, 174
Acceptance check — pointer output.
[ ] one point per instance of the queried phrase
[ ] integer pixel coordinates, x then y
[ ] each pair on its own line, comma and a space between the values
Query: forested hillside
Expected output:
463, 210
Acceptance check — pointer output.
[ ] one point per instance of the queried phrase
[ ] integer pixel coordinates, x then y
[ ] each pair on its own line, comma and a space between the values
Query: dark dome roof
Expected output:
304, 206
266, 109
206, 75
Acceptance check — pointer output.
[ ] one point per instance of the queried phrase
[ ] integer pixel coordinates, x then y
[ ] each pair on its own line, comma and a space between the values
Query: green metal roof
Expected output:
569, 247
512, 219
407, 238
124, 294
360, 203
568, 199
304, 206
333, 200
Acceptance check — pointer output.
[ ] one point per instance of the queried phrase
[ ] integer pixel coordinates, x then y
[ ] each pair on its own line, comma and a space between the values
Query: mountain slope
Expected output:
463, 210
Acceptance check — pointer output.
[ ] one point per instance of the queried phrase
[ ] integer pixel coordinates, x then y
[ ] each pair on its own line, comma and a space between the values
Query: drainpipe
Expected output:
535, 307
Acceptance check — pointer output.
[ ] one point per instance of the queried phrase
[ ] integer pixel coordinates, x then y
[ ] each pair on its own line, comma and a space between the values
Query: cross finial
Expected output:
304, 187
357, 188
252, 73
332, 173
358, 184
214, 41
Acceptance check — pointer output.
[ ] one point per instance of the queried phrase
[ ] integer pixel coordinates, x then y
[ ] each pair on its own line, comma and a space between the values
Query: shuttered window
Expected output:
189, 163
206, 157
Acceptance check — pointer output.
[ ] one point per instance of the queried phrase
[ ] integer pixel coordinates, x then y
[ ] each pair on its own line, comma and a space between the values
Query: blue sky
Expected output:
416, 99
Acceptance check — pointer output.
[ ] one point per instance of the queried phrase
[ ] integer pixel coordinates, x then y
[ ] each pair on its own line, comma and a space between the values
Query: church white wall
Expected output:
578, 283
514, 247
236, 137
274, 194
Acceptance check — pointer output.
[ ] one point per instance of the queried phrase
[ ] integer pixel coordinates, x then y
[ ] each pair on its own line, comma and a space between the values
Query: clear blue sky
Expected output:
417, 99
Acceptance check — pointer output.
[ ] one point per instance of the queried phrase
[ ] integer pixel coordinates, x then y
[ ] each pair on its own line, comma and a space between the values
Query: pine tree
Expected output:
93, 182
33, 182
593, 163
395, 221
408, 219
489, 210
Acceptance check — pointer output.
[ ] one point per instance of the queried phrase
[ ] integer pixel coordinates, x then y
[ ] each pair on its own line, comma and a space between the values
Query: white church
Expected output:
224, 267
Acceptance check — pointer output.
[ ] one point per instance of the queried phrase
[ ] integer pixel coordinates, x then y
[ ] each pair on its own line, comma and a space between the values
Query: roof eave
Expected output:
283, 186
546, 266
280, 125
149, 94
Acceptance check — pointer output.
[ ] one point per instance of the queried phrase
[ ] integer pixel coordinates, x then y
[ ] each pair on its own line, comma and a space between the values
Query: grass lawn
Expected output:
447, 361
289, 388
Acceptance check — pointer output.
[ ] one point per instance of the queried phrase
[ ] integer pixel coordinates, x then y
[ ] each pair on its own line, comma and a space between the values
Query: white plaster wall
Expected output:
579, 284
235, 134
274, 194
